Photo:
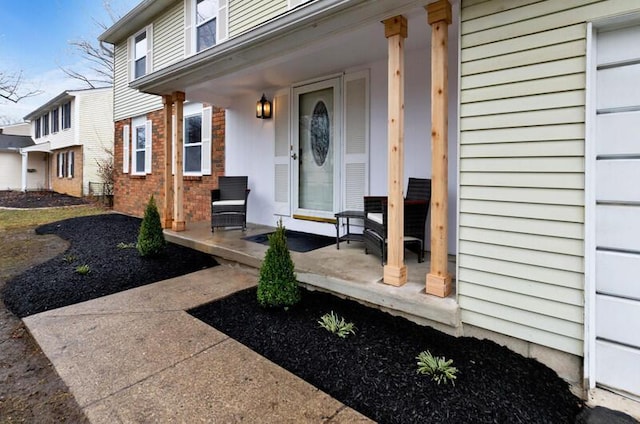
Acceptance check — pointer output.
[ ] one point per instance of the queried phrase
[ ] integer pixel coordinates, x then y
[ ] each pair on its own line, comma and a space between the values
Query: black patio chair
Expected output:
416, 209
229, 203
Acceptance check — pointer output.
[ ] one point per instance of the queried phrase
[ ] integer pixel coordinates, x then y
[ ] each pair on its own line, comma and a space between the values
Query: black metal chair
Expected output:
416, 209
229, 203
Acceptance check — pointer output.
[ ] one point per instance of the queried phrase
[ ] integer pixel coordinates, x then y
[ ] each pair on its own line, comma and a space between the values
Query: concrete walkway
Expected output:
137, 357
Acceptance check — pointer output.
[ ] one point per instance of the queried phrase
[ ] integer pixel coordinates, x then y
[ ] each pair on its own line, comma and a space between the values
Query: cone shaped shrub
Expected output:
277, 286
151, 240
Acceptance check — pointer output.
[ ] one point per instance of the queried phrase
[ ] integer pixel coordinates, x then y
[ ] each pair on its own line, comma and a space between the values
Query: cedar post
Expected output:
167, 204
438, 280
395, 271
178, 187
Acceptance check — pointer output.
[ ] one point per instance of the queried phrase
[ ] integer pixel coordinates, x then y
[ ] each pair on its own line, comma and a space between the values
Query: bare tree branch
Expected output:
97, 54
13, 89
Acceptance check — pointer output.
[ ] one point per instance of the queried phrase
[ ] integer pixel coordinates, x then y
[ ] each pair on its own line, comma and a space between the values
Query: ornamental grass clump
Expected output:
151, 240
437, 367
277, 284
337, 325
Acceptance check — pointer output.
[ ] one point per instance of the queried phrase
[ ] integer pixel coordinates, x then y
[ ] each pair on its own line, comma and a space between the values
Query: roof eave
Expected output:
134, 20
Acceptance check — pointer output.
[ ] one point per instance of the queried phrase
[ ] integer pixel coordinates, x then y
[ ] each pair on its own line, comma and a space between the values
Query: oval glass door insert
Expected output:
320, 133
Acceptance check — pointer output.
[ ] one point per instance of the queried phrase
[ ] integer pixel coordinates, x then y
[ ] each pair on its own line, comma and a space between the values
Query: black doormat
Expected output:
296, 240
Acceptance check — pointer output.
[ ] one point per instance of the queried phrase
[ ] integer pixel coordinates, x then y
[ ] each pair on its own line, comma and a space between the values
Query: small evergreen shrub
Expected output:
277, 285
437, 367
151, 240
337, 325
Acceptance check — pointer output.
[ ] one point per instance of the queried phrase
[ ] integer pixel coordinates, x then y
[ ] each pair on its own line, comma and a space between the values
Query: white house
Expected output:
13, 139
523, 114
75, 130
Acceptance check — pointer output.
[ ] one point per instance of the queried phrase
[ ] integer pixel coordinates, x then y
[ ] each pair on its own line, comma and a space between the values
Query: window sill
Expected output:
192, 177
137, 176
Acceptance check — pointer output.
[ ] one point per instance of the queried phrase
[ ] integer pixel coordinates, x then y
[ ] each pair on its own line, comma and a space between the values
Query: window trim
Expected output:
197, 25
135, 149
184, 145
66, 116
45, 124
131, 53
37, 133
55, 120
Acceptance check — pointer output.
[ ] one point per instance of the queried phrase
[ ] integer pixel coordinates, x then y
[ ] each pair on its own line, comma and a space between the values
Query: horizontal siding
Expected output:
246, 14
129, 102
96, 132
522, 114
168, 37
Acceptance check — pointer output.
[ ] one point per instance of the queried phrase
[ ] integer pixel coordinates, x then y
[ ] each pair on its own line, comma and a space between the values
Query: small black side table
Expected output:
348, 235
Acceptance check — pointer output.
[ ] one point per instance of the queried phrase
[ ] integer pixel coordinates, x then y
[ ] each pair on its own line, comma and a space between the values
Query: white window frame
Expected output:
191, 145
61, 158
131, 49
196, 25
191, 29
45, 124
37, 132
62, 124
70, 163
135, 126
136, 123
55, 120
206, 138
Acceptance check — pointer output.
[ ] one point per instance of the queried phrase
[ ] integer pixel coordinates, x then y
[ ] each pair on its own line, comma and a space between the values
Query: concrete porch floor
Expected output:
347, 272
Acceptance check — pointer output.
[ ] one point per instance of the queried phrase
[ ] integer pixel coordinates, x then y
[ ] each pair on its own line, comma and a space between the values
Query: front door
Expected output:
316, 149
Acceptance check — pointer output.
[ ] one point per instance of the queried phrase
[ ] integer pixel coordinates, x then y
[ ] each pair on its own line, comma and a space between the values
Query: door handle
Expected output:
294, 156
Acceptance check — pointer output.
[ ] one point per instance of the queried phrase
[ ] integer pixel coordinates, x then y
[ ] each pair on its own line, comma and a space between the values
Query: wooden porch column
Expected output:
178, 185
395, 271
439, 17
167, 205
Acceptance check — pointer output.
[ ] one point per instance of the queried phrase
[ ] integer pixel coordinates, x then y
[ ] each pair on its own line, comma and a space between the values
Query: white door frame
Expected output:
336, 84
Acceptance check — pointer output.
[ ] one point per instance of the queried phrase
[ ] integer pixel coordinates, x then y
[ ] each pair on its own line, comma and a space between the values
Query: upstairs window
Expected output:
206, 17
66, 115
37, 127
55, 120
45, 124
140, 53
206, 24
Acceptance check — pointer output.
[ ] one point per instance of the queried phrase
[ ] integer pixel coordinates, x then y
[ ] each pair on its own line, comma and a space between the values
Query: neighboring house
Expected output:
13, 140
536, 188
75, 129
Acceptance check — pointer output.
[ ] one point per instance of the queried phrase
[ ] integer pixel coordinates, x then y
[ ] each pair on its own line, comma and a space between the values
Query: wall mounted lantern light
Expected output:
263, 108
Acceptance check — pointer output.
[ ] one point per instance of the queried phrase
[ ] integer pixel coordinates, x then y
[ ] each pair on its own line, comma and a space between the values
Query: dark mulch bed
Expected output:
38, 199
374, 371
94, 241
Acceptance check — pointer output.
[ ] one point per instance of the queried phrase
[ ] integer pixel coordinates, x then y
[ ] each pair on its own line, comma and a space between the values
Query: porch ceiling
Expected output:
310, 49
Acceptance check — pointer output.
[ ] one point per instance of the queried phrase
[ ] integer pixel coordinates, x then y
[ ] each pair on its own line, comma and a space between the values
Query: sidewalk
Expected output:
136, 356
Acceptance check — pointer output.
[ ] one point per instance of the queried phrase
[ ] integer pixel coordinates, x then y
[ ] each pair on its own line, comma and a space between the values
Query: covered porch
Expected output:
347, 272
341, 54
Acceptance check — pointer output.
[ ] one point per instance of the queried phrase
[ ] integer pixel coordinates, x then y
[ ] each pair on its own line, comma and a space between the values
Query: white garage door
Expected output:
618, 210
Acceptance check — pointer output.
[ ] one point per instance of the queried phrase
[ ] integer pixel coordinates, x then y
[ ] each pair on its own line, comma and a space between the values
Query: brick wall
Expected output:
132, 192
65, 185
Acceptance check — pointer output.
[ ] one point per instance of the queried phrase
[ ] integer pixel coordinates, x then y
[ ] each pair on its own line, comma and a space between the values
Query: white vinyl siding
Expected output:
95, 130
169, 37
167, 47
247, 14
522, 131
129, 102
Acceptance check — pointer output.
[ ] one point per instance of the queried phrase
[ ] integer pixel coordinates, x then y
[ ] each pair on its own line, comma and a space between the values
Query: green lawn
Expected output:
11, 219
